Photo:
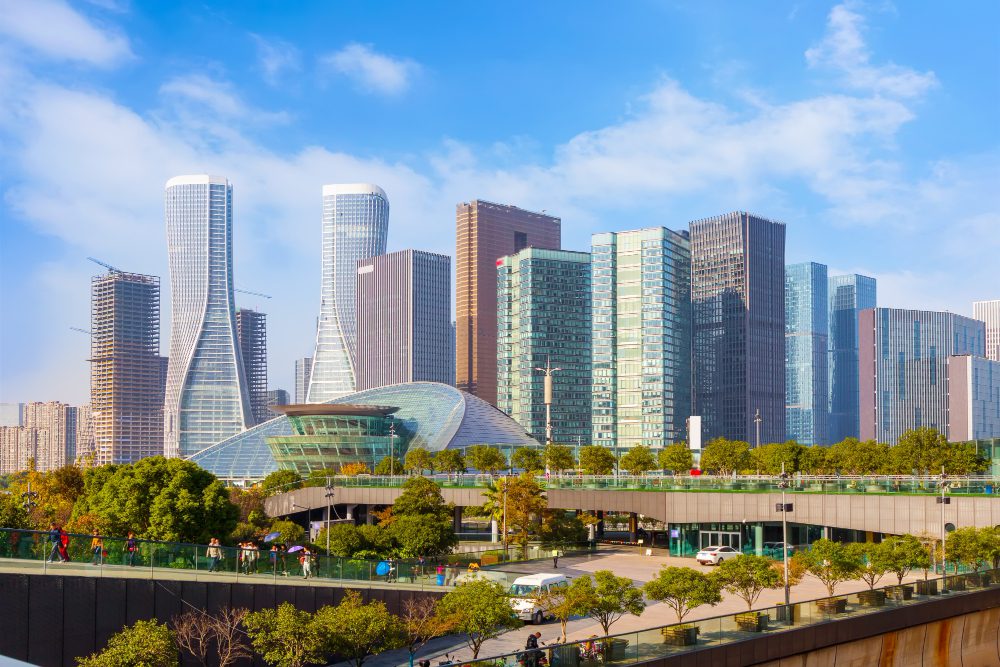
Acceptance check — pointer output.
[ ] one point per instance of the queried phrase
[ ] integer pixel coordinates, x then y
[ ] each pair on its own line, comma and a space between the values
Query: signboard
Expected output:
675, 532
694, 432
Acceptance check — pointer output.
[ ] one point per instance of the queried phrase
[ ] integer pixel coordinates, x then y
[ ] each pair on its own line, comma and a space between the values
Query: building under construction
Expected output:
127, 373
251, 329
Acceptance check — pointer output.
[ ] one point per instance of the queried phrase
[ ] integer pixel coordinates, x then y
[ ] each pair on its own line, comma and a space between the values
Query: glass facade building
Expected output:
973, 398
849, 295
355, 225
251, 332
738, 297
989, 312
641, 337
903, 368
543, 317
806, 352
206, 394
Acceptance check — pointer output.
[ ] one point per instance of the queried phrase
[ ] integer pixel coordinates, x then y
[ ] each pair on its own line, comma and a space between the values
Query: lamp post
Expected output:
784, 508
392, 449
548, 370
329, 505
942, 501
757, 420
505, 480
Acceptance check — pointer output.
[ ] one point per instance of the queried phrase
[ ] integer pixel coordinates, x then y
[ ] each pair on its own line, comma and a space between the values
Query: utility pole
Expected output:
757, 420
548, 370
785, 509
942, 501
392, 448
329, 505
506, 479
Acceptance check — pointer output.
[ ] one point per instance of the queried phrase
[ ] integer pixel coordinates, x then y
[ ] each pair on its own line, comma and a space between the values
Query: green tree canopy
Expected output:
485, 458
767, 459
989, 539
422, 496
677, 458
814, 460
145, 644
345, 539
286, 637
559, 458
524, 506
871, 568
747, 576
289, 532
388, 466
724, 457
900, 554
528, 459
963, 545
854, 457
926, 450
12, 512
425, 535
683, 589
613, 597
418, 460
560, 530
597, 460
280, 481
449, 460
572, 600
638, 460
480, 610
830, 562
357, 631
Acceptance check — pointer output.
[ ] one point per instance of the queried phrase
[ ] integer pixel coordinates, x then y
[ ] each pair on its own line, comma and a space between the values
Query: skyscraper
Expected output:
355, 225
206, 396
738, 296
59, 420
641, 334
849, 295
989, 312
251, 332
404, 318
807, 333
85, 452
277, 397
11, 413
126, 369
903, 368
21, 444
485, 233
543, 315
303, 367
973, 398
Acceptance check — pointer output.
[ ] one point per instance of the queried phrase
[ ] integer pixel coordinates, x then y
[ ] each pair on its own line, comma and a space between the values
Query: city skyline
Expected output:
873, 143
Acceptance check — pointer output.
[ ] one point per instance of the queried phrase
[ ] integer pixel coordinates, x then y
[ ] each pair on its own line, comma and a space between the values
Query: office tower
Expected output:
903, 359
251, 332
20, 445
738, 296
807, 333
126, 369
641, 337
451, 359
355, 225
10, 414
485, 233
989, 312
303, 367
973, 398
206, 396
404, 318
85, 451
849, 295
277, 397
59, 420
543, 316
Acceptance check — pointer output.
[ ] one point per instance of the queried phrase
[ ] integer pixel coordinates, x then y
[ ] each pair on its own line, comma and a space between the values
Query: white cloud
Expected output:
276, 58
199, 100
53, 29
843, 49
371, 71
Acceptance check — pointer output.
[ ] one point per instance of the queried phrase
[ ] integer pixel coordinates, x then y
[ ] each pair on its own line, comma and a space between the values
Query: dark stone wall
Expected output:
50, 620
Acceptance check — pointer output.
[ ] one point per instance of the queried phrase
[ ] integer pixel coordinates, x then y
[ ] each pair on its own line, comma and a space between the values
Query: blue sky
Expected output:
871, 129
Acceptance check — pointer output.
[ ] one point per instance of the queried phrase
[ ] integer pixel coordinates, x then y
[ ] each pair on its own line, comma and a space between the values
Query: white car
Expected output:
528, 595
715, 555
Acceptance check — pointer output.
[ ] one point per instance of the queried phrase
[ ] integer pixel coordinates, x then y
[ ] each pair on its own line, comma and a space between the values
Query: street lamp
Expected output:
757, 420
392, 449
329, 504
942, 501
784, 508
548, 370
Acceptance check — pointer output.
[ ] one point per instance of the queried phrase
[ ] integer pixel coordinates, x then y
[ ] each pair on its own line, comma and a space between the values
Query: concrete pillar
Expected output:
758, 538
349, 512
600, 524
457, 520
633, 526
369, 515
494, 531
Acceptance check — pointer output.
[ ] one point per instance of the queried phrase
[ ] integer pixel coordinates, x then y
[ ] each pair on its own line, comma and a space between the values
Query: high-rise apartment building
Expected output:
973, 398
989, 312
404, 318
277, 397
543, 315
641, 337
849, 295
355, 226
485, 232
251, 332
807, 333
303, 367
903, 368
206, 395
738, 298
59, 420
126, 370
10, 414
85, 450
20, 445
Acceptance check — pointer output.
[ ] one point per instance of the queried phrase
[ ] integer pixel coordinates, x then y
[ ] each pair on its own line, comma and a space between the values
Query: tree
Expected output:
926, 450
193, 633
422, 496
854, 457
683, 589
355, 630
989, 540
574, 599
145, 644
196, 632
559, 458
637, 460
560, 530
389, 466
597, 460
425, 535
422, 622
289, 532
353, 469
676, 458
280, 481
417, 460
285, 637
830, 562
767, 459
345, 540
12, 512
528, 459
486, 459
449, 461
724, 457
525, 504
481, 611
231, 643
614, 597
963, 545
900, 554
814, 460
871, 568
747, 576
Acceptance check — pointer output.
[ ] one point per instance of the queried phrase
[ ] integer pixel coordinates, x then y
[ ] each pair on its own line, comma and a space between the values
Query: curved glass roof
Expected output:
437, 416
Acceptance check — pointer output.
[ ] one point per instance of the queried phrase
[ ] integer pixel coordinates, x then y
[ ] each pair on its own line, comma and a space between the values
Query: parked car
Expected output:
527, 595
715, 555
773, 549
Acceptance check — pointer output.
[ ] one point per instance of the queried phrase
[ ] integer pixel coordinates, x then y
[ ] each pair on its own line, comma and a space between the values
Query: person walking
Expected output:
56, 542
63, 545
131, 549
96, 549
273, 555
254, 557
304, 560
214, 554
531, 651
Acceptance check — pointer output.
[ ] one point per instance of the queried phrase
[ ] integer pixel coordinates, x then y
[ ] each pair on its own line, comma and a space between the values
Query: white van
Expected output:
526, 595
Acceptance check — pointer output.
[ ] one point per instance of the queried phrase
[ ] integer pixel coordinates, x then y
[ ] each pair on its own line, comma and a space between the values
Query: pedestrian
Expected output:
63, 545
306, 565
214, 554
531, 650
555, 558
56, 541
96, 549
254, 557
131, 549
273, 555
440, 574
283, 552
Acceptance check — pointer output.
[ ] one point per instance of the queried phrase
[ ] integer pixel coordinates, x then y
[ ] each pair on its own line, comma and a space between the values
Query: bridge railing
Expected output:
676, 638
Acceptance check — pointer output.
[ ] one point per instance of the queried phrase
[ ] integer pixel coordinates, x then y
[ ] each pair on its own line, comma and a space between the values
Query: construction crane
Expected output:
113, 269
246, 291
83, 331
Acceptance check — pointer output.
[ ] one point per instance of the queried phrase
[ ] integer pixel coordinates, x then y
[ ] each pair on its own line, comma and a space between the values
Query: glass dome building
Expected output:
433, 416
